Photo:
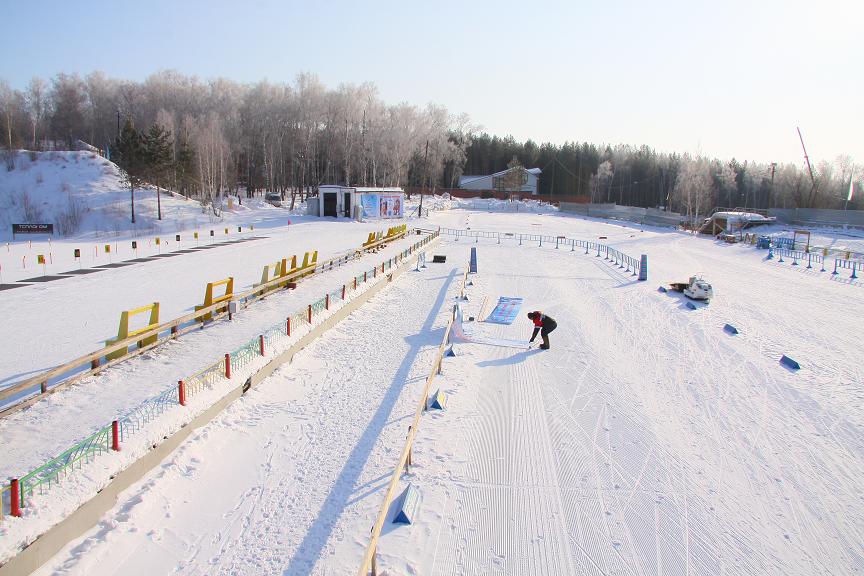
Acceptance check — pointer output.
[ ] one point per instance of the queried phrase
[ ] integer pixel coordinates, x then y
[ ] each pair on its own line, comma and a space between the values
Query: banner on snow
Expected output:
505, 311
458, 333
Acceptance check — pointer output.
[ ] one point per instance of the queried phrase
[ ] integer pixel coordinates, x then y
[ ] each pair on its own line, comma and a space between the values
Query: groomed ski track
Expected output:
647, 441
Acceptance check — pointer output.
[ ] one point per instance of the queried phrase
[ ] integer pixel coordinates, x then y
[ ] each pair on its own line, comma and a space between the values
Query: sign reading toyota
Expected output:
32, 229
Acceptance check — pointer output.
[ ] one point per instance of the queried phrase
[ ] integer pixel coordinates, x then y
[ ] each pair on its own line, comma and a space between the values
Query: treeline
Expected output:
227, 137
224, 137
644, 177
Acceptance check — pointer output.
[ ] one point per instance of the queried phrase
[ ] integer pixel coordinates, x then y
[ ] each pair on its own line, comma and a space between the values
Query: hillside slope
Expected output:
83, 195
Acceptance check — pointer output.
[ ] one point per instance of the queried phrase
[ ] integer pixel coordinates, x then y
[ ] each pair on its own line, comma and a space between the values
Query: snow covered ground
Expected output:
646, 441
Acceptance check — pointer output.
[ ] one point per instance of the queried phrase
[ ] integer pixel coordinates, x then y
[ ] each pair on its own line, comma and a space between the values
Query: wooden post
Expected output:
310, 314
228, 366
327, 301
181, 389
261, 344
288, 327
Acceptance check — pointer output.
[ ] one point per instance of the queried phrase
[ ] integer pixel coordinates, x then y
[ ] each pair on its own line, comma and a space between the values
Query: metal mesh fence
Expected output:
85, 451
51, 471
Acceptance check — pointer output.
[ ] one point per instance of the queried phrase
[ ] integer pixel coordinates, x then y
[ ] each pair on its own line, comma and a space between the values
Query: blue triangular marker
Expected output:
438, 401
789, 362
409, 502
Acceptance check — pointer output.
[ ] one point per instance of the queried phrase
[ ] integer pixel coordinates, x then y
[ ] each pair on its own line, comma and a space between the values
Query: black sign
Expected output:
32, 229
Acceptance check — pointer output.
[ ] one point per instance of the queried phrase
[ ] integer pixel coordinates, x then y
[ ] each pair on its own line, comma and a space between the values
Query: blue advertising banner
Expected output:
370, 202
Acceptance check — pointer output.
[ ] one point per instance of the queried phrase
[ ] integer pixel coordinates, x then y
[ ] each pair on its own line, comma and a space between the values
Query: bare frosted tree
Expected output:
8, 99
36, 107
694, 186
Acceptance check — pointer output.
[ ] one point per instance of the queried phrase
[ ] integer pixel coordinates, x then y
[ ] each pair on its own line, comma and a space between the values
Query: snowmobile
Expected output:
696, 288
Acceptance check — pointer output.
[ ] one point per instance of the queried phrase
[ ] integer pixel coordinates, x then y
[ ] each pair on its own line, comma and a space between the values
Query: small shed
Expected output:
354, 202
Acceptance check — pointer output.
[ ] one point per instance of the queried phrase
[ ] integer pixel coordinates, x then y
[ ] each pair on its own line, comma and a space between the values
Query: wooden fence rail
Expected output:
369, 563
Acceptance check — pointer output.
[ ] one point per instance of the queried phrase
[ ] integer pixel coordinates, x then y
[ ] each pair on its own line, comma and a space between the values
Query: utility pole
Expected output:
425, 179
771, 189
579, 181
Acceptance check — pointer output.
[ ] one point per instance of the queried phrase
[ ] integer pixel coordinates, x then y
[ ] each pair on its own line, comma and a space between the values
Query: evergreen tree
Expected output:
157, 157
131, 157
184, 168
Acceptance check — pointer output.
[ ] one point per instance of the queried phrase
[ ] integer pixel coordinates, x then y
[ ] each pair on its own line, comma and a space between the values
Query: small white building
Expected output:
496, 181
354, 202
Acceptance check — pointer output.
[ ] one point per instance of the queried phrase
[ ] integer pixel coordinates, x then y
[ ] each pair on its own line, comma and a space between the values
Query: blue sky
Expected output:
724, 79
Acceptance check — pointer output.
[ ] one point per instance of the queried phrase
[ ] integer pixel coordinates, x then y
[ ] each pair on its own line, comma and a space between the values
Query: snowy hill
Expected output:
83, 195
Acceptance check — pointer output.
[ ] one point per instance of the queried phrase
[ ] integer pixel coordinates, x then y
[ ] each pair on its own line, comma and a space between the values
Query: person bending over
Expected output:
544, 325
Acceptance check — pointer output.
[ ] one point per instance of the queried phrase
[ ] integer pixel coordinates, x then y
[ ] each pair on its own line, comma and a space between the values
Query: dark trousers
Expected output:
545, 330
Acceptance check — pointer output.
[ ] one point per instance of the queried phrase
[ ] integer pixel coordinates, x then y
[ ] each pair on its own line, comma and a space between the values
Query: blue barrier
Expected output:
450, 352
796, 255
730, 329
847, 265
691, 306
662, 289
789, 362
408, 504
472, 265
788, 243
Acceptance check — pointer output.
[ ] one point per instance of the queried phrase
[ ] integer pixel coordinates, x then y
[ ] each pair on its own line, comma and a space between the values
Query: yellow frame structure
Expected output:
123, 332
209, 300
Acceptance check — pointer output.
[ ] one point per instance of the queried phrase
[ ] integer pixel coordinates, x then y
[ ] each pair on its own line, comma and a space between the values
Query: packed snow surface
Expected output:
646, 440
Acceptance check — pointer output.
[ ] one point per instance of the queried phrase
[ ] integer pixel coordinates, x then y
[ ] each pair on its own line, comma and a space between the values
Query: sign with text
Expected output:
32, 229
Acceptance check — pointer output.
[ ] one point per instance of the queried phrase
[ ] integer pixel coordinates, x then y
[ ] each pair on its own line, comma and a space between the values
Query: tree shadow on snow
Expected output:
343, 491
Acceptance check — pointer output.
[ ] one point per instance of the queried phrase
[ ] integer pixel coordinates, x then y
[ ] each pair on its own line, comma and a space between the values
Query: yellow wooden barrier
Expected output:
271, 272
307, 263
209, 300
289, 270
123, 332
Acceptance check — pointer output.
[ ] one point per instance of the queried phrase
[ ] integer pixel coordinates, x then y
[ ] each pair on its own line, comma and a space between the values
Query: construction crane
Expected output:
809, 169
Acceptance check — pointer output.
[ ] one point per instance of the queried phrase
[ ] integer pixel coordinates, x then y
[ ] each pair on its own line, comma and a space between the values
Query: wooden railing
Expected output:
369, 559
174, 329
